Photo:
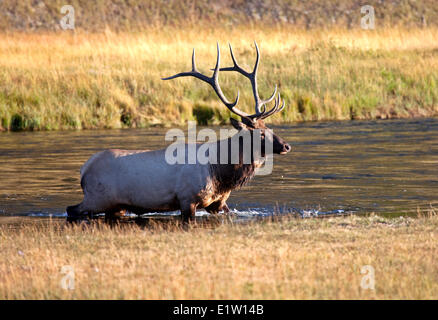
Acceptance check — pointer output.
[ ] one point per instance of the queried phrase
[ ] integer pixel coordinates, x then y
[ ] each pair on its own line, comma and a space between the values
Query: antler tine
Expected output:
236, 66
282, 107
215, 84
193, 73
256, 65
270, 112
260, 108
213, 81
193, 61
271, 97
218, 62
275, 109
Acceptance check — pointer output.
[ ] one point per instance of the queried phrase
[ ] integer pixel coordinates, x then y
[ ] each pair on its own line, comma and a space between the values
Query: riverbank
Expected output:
286, 259
64, 80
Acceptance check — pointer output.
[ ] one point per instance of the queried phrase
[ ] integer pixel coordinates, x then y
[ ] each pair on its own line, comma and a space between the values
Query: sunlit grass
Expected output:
287, 259
107, 80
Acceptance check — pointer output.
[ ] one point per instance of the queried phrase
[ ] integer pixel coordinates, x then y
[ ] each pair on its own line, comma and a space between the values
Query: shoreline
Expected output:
183, 125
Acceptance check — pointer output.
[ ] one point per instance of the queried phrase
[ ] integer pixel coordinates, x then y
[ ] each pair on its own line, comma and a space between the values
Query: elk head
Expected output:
249, 122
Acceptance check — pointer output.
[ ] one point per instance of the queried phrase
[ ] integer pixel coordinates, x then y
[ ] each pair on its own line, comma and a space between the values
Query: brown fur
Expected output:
220, 180
227, 177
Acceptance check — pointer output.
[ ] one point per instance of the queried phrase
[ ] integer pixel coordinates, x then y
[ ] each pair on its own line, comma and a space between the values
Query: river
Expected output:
388, 167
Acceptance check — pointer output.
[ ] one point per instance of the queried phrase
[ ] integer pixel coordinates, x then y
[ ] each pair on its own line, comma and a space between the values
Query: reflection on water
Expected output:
335, 167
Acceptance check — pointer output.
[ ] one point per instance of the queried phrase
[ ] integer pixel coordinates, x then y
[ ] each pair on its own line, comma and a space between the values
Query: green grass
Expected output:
79, 81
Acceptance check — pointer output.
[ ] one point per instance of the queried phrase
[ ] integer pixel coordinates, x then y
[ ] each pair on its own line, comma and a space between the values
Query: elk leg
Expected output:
217, 206
225, 208
75, 213
112, 216
214, 207
188, 212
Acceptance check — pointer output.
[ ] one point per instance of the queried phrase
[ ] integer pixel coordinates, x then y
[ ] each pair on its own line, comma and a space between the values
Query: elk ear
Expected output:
238, 125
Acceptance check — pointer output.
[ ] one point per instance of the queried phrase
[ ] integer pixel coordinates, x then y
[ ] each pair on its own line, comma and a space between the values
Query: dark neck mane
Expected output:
230, 176
233, 176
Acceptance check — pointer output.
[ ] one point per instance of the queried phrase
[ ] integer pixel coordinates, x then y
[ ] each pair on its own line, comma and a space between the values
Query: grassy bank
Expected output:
106, 80
288, 259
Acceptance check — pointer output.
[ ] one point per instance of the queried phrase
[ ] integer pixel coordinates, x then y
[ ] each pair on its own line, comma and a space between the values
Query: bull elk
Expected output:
143, 181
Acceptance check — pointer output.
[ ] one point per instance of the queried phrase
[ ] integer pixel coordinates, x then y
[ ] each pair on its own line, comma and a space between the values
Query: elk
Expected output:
142, 181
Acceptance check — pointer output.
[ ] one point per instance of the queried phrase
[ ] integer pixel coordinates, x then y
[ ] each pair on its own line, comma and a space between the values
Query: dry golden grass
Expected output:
108, 80
286, 259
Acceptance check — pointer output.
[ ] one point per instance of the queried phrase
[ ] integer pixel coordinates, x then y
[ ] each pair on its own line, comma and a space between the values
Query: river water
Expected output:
389, 167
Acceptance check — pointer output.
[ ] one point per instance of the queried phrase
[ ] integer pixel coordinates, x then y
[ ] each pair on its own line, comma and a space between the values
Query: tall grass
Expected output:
287, 259
110, 80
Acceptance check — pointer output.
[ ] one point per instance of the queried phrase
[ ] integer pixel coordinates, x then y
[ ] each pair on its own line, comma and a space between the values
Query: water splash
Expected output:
250, 213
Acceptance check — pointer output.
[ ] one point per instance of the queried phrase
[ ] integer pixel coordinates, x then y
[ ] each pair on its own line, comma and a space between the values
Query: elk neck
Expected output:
229, 176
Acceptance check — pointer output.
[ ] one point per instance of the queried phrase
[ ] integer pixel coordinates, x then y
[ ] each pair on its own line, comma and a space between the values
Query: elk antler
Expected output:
252, 76
214, 82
